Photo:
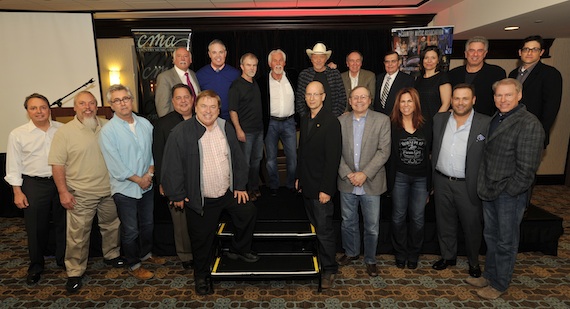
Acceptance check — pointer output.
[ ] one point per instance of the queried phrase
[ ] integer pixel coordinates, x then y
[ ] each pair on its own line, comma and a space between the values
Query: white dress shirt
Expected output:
27, 153
281, 97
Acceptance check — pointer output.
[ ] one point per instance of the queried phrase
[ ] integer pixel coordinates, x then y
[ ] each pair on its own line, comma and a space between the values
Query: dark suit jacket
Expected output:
374, 152
160, 134
483, 82
164, 83
365, 78
475, 147
402, 80
319, 154
542, 94
511, 157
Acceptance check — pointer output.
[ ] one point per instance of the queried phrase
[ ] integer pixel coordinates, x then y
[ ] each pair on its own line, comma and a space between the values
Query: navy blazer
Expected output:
475, 147
402, 80
542, 94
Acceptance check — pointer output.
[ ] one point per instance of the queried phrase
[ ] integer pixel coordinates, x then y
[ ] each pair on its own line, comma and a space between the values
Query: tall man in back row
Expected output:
204, 172
513, 149
479, 74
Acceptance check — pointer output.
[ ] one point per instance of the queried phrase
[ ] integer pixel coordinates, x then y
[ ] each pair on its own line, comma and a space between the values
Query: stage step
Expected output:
274, 229
269, 266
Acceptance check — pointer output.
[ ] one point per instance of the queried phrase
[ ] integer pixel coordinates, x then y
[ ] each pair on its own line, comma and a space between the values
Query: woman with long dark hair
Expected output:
433, 85
411, 173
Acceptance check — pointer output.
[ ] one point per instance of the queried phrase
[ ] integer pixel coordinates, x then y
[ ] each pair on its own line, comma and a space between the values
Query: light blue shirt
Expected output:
357, 132
127, 154
453, 152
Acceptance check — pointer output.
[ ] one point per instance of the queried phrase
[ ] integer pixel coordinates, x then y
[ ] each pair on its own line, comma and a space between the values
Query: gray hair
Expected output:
117, 87
477, 39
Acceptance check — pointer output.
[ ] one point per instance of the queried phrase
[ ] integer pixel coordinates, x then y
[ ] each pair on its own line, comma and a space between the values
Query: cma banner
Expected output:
154, 49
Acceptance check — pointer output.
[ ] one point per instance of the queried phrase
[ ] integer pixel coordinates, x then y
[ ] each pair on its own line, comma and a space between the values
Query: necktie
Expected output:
385, 91
192, 92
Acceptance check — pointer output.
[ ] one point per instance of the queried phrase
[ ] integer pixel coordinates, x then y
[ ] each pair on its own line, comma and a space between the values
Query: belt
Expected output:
38, 177
281, 118
450, 177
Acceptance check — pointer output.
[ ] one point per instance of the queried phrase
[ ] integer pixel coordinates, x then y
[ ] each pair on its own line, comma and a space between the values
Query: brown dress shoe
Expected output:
141, 273
327, 281
489, 293
480, 282
156, 260
345, 259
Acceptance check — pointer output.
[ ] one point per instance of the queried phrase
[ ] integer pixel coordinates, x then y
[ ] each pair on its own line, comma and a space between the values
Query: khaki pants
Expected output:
79, 222
181, 236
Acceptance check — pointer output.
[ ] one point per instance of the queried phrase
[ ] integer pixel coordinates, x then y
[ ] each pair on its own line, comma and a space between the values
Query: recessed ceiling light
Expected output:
511, 28
538, 21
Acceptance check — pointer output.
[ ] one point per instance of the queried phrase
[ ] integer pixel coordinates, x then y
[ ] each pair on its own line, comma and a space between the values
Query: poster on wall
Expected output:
154, 49
410, 42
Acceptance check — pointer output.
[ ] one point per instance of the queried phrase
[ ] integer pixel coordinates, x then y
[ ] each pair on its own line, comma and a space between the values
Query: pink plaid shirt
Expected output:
215, 163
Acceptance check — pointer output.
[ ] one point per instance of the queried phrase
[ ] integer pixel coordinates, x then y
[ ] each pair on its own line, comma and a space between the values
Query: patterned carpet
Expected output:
540, 281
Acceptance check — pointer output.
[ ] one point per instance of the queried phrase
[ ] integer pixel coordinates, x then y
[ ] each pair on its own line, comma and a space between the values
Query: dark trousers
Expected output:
43, 199
321, 217
202, 229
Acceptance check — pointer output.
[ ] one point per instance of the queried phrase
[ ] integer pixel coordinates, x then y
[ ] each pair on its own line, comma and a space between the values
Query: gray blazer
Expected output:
164, 83
512, 156
374, 152
475, 147
366, 79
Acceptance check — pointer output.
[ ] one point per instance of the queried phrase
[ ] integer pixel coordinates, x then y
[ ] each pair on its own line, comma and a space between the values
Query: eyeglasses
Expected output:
123, 100
533, 50
312, 95
362, 97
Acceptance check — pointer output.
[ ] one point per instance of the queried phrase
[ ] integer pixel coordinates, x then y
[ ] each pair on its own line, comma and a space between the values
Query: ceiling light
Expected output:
511, 28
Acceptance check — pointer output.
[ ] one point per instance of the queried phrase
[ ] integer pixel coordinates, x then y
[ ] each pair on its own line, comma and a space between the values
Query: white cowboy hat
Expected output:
319, 49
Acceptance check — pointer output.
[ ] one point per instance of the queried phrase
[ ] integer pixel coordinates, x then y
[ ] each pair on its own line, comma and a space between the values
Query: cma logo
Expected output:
159, 40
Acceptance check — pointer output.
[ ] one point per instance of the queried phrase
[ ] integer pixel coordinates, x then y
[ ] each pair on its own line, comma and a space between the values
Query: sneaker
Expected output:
156, 260
479, 282
141, 273
489, 293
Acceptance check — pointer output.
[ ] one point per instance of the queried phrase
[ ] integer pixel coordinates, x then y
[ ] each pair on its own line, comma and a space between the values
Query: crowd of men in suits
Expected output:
204, 154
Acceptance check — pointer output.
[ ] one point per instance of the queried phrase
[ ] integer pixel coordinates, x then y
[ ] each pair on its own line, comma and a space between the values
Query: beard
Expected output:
90, 122
278, 70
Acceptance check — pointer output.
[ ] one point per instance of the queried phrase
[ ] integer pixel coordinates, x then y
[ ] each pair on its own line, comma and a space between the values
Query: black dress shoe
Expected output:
400, 264
73, 284
188, 264
117, 262
442, 264
273, 192
249, 257
32, 279
203, 286
372, 270
412, 265
475, 271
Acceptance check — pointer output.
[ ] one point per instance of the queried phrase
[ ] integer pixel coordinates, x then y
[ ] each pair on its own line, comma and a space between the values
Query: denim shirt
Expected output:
127, 154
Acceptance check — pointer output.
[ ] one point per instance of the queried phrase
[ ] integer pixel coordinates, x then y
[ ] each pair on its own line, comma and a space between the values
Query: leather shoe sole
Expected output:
32, 279
73, 284
443, 264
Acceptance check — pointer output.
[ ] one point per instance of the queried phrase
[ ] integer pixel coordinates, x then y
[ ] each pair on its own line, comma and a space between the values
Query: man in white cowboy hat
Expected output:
335, 100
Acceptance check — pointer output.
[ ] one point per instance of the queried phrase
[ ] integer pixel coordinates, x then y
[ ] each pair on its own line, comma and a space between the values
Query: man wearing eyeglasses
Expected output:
389, 83
542, 84
317, 169
126, 143
479, 74
362, 176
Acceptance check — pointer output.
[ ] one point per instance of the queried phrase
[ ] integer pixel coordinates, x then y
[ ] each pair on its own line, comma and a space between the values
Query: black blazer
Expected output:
542, 94
319, 154
483, 83
402, 80
475, 147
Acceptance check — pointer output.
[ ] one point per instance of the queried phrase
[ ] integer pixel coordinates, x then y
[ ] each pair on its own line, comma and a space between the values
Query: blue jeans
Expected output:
502, 217
137, 226
253, 151
287, 132
370, 206
409, 197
